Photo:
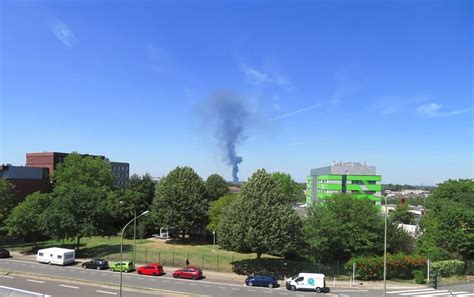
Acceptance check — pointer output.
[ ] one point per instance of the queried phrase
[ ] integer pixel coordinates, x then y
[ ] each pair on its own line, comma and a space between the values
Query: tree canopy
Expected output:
288, 187
25, 218
7, 200
402, 214
79, 199
448, 226
217, 208
261, 220
342, 227
181, 202
216, 186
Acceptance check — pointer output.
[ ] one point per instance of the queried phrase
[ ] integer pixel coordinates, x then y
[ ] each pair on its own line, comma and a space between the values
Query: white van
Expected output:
56, 256
307, 282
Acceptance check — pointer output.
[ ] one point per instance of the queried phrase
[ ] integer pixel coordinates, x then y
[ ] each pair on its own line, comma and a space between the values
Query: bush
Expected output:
448, 268
420, 277
398, 266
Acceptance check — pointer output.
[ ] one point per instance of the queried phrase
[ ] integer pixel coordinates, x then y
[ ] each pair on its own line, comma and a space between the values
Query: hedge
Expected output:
448, 267
399, 266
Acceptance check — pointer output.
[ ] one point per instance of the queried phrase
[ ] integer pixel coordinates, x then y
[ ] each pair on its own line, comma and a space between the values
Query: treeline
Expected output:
259, 219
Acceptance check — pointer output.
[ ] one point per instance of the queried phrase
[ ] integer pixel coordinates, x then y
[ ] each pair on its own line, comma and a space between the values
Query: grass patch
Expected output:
171, 253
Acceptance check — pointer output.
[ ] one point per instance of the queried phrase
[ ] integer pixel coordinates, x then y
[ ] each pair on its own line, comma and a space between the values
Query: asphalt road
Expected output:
61, 288
168, 286
166, 283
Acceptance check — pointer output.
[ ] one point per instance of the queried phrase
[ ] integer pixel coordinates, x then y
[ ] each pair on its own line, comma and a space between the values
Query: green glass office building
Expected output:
356, 179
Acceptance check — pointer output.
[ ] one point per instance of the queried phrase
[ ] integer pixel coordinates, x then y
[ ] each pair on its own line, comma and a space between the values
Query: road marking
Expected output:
66, 286
445, 293
221, 288
425, 293
236, 289
24, 291
472, 294
284, 293
35, 281
407, 291
251, 290
266, 292
106, 292
6, 276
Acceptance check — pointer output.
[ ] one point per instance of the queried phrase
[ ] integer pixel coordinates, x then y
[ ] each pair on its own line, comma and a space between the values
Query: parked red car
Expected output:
192, 272
151, 269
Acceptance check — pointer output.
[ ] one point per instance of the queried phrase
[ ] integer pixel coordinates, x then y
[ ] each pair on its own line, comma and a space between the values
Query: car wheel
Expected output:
270, 286
84, 266
318, 290
293, 288
250, 284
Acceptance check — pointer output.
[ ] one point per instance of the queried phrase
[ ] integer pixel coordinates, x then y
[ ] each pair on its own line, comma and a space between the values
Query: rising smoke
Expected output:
229, 115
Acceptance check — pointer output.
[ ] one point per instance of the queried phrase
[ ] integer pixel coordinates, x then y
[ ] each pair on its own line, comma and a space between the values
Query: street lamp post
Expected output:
134, 236
121, 248
214, 240
385, 252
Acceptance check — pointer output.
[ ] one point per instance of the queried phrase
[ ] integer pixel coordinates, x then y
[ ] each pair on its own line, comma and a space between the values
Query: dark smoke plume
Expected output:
229, 115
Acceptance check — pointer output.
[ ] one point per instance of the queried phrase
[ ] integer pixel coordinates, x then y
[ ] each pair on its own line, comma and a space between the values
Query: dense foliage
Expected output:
260, 220
449, 224
181, 202
79, 199
343, 227
448, 267
25, 219
217, 208
7, 201
216, 187
399, 266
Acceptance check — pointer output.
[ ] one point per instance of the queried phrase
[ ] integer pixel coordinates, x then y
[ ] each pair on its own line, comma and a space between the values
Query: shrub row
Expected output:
399, 266
448, 267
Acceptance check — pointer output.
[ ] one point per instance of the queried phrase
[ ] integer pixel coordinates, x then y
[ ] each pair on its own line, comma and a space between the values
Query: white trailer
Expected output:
308, 282
56, 256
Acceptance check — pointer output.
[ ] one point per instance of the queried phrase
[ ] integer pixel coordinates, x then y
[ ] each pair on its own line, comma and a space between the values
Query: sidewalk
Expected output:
227, 277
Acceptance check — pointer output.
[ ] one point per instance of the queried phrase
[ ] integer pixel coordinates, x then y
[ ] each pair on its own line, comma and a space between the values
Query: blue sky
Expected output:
388, 83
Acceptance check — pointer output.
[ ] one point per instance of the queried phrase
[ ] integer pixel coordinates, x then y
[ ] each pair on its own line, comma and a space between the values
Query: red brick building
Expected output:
48, 160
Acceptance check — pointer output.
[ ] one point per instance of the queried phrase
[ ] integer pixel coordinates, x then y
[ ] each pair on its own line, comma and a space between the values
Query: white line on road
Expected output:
472, 294
284, 293
6, 276
235, 289
24, 291
425, 293
407, 291
251, 290
67, 286
35, 281
106, 292
445, 293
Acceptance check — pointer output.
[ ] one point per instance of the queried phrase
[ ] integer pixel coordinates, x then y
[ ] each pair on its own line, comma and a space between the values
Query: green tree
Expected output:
342, 227
448, 226
217, 208
288, 187
398, 240
181, 202
260, 220
25, 218
78, 207
402, 214
216, 186
459, 191
7, 199
144, 185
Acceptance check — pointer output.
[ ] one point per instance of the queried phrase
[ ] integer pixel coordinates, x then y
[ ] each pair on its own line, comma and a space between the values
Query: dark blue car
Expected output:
261, 281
